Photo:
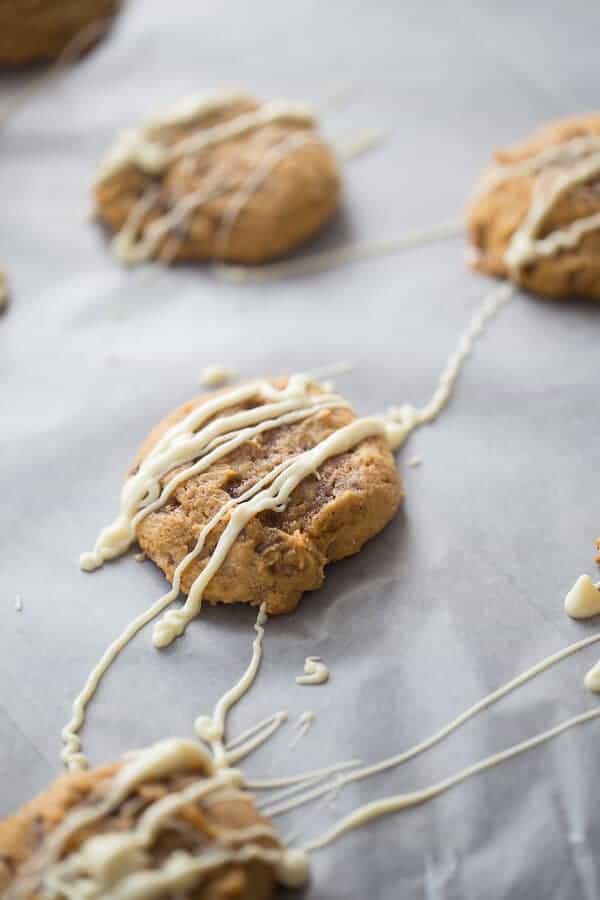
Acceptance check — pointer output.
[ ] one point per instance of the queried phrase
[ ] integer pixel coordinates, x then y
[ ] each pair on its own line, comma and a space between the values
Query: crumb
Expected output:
19, 603
140, 557
414, 461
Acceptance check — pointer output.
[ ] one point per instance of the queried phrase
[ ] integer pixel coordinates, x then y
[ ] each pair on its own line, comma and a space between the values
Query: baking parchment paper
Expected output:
464, 589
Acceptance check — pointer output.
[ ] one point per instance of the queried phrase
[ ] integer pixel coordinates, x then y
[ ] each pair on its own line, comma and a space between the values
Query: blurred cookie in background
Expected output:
218, 177
41, 30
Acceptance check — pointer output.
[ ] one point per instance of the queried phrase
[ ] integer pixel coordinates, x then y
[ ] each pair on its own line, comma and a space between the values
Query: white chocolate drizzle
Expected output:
216, 376
402, 420
388, 805
583, 600
399, 759
143, 149
305, 720
211, 729
315, 671
357, 144
341, 256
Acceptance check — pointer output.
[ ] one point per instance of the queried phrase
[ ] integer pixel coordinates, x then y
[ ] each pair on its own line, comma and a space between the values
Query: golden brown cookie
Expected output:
93, 828
222, 177
278, 555
535, 215
35, 30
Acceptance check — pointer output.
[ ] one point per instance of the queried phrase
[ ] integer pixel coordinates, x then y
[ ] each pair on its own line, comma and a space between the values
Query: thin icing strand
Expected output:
332, 259
444, 732
388, 805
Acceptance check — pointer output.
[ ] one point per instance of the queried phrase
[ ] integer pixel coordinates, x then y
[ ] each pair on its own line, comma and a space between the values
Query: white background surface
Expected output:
464, 589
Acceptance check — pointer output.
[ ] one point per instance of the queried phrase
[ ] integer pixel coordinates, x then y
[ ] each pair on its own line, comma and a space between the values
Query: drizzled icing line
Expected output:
331, 259
388, 805
141, 147
440, 735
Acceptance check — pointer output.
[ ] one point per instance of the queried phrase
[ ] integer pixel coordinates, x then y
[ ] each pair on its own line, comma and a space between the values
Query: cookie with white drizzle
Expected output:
535, 214
205, 466
162, 822
218, 177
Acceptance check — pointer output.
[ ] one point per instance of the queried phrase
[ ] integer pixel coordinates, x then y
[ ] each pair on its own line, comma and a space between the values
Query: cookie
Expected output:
280, 553
535, 215
35, 30
221, 177
164, 815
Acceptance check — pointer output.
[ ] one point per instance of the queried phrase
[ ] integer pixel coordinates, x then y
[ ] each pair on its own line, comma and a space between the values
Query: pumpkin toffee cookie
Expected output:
162, 823
34, 30
535, 215
246, 494
218, 177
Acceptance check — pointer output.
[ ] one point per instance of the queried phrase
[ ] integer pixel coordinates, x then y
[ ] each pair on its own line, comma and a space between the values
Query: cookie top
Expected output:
36, 31
217, 177
280, 553
163, 819
535, 215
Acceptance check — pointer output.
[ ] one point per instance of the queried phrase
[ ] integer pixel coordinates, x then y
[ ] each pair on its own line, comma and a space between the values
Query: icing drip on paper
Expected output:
211, 729
216, 376
331, 259
444, 732
388, 805
357, 144
315, 671
402, 420
305, 720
